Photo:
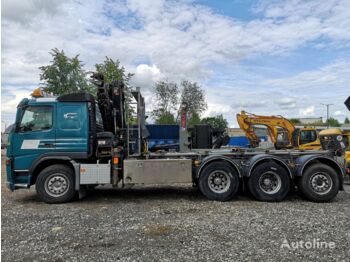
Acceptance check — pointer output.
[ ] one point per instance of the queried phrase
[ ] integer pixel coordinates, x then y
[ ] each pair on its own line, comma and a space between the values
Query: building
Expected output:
310, 120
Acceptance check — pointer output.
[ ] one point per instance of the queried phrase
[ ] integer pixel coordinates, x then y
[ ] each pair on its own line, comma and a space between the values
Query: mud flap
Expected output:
82, 192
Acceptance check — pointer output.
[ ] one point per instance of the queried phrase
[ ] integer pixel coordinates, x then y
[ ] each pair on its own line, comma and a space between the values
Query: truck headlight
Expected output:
339, 138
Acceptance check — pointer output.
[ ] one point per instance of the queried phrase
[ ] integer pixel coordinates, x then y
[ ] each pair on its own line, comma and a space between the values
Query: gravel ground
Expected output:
170, 224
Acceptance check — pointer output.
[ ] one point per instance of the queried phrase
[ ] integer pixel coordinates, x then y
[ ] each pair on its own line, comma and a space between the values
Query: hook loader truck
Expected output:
64, 144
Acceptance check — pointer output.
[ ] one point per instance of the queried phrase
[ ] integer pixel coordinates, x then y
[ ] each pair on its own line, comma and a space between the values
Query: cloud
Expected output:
25, 11
146, 76
181, 40
339, 113
335, 74
217, 109
12, 98
328, 84
286, 102
330, 18
308, 111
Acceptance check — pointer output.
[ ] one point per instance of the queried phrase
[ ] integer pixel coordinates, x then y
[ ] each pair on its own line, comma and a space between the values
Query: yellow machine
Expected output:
282, 132
338, 141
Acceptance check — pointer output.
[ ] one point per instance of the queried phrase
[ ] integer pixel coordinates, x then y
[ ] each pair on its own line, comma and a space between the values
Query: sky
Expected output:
266, 57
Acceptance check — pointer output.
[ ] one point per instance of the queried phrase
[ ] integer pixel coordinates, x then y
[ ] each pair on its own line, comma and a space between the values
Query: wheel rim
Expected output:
219, 181
321, 183
270, 182
56, 185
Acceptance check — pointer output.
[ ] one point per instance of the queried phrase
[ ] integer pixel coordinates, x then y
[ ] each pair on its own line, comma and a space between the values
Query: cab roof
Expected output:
76, 97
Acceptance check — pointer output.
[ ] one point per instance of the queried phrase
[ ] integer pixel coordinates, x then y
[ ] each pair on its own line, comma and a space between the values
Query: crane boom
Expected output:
111, 99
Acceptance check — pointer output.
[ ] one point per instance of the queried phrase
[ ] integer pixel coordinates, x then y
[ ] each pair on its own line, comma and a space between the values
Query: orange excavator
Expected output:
282, 132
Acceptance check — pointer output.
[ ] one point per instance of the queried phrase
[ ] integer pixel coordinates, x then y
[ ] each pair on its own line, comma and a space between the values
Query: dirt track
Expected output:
169, 224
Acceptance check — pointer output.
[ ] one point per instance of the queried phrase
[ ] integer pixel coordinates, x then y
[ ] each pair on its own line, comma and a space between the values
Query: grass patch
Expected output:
157, 230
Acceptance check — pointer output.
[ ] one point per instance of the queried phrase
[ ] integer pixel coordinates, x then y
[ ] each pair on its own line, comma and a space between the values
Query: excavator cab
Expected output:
282, 140
302, 138
307, 139
307, 136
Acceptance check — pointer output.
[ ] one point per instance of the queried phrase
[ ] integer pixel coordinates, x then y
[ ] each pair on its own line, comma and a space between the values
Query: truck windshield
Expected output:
36, 118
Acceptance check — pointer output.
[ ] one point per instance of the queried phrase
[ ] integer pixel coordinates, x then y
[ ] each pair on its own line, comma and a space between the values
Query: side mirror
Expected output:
20, 111
16, 129
347, 103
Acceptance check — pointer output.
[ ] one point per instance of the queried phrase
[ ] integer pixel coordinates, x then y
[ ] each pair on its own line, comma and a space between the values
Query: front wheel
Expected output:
219, 181
55, 184
319, 183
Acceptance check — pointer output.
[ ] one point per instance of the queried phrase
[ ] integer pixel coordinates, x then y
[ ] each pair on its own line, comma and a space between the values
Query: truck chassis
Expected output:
218, 173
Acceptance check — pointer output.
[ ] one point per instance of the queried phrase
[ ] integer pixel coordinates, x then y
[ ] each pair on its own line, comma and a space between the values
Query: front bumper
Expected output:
16, 181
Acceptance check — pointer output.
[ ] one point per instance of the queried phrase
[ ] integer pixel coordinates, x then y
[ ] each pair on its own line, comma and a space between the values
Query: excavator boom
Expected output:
247, 121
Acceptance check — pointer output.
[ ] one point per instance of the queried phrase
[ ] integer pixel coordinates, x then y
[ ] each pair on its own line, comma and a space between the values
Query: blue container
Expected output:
163, 131
162, 135
242, 141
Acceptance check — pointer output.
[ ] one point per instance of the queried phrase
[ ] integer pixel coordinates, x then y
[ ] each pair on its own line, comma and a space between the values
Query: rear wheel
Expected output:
219, 181
319, 183
269, 182
55, 184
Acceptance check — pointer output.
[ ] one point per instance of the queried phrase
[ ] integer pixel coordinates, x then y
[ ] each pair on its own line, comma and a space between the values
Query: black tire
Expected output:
323, 174
63, 191
229, 181
269, 182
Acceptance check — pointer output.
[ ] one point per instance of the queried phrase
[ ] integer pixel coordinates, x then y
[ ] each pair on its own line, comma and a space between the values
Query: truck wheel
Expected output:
55, 184
269, 182
219, 181
319, 183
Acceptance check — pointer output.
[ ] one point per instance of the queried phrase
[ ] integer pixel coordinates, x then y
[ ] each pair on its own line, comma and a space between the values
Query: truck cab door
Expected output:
72, 133
34, 135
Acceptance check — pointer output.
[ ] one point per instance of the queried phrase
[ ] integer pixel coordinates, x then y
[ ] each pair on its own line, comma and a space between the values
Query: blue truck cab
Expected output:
49, 129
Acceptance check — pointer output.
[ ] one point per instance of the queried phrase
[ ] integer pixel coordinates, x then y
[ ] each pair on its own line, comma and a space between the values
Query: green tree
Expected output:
216, 121
346, 120
112, 70
332, 122
193, 95
194, 119
166, 101
166, 119
295, 121
64, 75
